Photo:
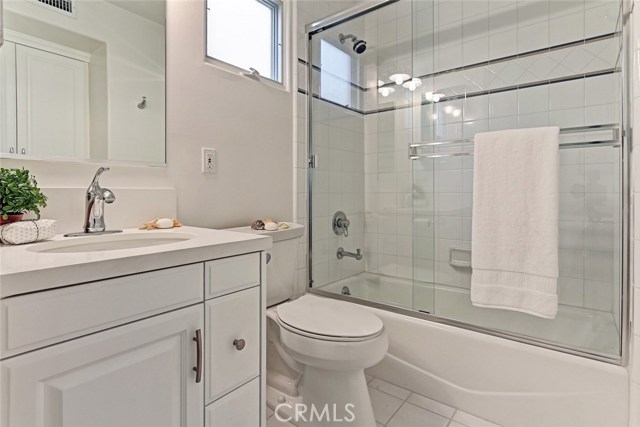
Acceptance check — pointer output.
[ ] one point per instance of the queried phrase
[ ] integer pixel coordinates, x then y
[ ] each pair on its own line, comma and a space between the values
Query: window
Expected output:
246, 34
335, 74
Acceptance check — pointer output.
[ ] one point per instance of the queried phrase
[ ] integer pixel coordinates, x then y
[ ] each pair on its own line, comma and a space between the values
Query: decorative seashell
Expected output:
164, 223
270, 226
283, 226
149, 225
258, 225
266, 220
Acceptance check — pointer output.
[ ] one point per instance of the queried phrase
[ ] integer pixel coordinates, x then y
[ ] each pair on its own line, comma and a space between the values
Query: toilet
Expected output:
318, 348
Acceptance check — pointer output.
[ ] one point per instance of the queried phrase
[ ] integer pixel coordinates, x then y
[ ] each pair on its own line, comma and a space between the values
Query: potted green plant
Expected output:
19, 194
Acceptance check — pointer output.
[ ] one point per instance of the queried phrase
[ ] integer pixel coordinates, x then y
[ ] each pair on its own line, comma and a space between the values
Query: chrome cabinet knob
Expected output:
239, 344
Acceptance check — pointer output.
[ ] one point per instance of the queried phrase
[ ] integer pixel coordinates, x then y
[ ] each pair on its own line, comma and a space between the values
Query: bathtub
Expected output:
504, 381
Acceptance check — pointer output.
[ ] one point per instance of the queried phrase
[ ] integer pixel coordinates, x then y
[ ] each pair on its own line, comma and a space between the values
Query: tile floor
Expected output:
394, 406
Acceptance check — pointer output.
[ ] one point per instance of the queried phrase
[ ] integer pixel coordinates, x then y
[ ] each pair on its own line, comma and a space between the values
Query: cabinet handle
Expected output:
198, 367
11, 150
239, 344
23, 151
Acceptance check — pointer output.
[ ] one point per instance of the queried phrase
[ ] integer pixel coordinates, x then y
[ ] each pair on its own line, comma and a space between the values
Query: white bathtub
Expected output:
507, 382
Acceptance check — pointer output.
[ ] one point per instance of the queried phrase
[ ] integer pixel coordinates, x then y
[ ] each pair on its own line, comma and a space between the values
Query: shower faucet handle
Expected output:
340, 224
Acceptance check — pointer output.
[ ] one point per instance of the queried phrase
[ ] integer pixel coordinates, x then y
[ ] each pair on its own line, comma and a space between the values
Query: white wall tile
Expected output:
566, 28
566, 95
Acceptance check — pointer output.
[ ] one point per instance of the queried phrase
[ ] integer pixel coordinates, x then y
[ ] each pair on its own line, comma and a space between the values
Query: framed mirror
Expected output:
83, 79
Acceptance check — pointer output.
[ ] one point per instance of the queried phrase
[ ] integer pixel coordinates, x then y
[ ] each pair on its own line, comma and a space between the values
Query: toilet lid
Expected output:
323, 316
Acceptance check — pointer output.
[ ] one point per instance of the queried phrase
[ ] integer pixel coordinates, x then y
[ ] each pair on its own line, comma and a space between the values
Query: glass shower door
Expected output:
471, 85
338, 253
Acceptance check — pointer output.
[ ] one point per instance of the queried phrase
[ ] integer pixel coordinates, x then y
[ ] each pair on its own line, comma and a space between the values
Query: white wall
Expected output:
249, 124
142, 192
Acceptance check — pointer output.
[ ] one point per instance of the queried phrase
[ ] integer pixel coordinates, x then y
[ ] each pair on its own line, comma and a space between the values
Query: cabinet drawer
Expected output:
229, 318
240, 408
227, 275
43, 318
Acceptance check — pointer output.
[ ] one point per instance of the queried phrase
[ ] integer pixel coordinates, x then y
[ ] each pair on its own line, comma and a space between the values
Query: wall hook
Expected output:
143, 104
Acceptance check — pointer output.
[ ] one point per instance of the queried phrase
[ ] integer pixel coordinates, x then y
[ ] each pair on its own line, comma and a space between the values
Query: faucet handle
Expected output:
108, 196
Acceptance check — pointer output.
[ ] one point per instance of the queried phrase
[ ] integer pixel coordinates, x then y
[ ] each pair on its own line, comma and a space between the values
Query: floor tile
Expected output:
411, 415
389, 388
368, 378
384, 405
432, 405
456, 424
471, 420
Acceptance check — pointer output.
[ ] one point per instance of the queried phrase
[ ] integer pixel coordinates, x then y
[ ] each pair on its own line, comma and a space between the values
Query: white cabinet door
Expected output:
53, 100
8, 98
140, 374
229, 319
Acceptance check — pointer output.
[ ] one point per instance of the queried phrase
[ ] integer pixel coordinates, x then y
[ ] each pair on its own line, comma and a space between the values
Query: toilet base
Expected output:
336, 398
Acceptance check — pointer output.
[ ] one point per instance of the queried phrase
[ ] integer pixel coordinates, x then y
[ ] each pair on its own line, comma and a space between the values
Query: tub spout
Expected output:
342, 253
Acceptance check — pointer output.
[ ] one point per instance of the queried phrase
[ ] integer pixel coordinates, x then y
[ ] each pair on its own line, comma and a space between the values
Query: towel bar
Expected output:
614, 141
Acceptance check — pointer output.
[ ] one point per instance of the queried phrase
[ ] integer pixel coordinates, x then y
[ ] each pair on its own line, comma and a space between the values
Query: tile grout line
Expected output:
401, 405
406, 400
452, 416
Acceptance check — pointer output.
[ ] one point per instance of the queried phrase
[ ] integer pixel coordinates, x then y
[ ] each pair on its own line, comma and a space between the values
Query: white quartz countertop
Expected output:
23, 270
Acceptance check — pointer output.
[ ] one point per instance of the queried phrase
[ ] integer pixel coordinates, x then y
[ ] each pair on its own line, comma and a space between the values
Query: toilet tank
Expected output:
281, 267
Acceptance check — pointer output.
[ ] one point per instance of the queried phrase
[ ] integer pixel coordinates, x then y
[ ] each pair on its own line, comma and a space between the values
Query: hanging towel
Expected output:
514, 250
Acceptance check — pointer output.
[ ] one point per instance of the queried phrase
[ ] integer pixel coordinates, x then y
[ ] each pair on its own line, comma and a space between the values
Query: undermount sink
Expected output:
111, 242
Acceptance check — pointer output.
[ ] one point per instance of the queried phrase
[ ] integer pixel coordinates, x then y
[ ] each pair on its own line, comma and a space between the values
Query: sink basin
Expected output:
111, 242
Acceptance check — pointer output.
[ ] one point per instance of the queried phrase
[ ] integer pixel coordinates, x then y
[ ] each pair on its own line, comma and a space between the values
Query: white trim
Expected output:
37, 43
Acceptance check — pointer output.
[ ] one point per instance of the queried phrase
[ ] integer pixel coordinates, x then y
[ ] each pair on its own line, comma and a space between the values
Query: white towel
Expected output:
514, 250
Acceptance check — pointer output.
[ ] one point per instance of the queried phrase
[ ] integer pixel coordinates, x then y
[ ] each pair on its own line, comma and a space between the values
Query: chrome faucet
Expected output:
342, 253
96, 197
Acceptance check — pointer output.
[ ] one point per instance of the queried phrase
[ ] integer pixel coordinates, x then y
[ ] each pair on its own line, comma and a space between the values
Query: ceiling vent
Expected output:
63, 6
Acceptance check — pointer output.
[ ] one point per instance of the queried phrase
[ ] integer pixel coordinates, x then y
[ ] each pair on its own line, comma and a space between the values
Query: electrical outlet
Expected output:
208, 160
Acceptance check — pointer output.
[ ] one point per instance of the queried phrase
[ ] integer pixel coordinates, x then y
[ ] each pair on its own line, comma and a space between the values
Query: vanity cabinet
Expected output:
154, 349
134, 375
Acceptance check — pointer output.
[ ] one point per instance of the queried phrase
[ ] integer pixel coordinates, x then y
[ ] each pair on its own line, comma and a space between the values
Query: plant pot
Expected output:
12, 218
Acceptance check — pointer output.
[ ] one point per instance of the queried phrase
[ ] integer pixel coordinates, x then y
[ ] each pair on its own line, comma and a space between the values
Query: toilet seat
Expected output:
327, 319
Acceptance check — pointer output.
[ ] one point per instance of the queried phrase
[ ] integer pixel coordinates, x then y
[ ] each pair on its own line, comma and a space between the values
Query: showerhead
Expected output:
359, 46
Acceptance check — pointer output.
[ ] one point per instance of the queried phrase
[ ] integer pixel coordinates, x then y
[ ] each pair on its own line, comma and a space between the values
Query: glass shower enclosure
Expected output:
397, 91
